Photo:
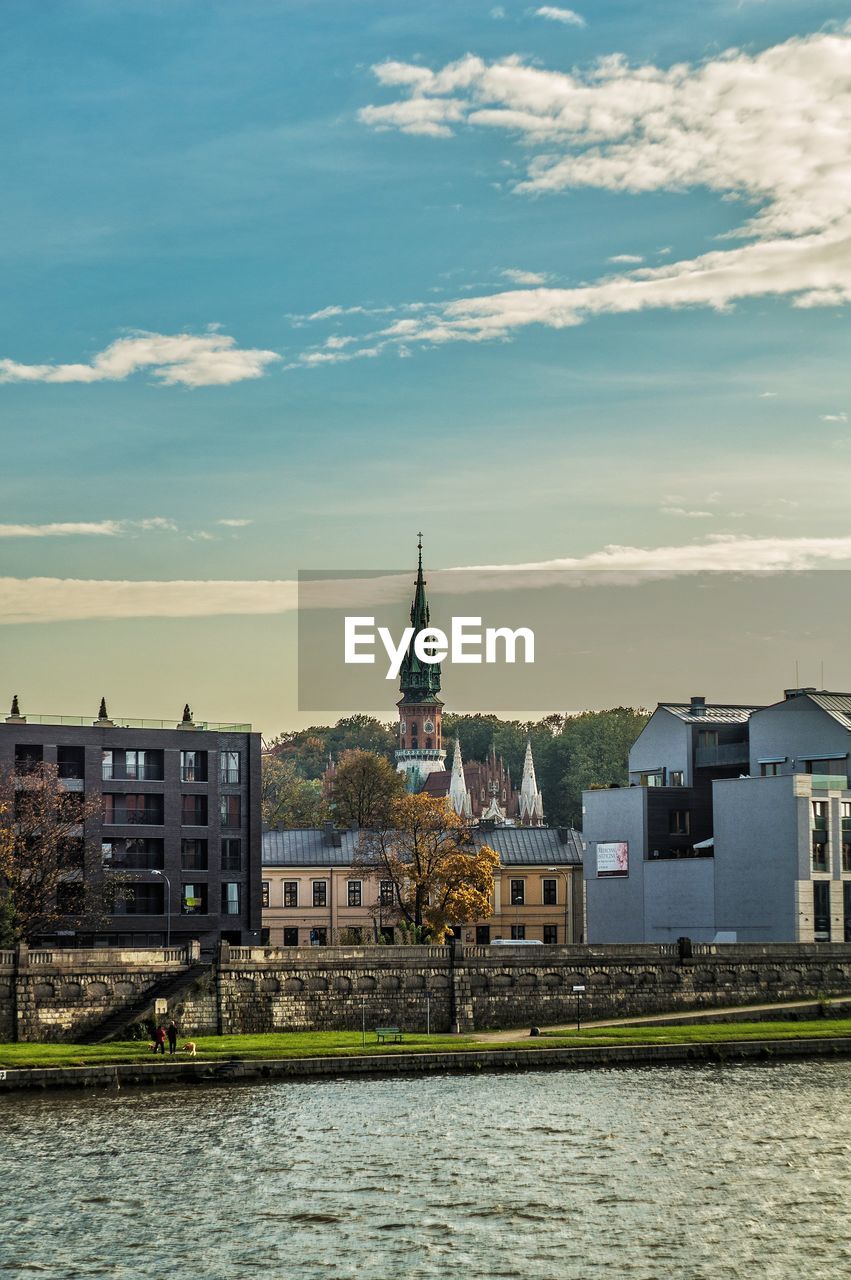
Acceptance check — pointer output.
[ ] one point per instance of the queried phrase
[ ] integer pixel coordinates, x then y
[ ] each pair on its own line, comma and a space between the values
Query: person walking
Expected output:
172, 1036
159, 1041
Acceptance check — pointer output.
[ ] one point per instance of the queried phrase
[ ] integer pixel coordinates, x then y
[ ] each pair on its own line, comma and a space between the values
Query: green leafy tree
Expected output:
365, 789
287, 799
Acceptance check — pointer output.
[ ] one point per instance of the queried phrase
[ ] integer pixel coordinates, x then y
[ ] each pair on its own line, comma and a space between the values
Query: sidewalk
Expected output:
659, 1019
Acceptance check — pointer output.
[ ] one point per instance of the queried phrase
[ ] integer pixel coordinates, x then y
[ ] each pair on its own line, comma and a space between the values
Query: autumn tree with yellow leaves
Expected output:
426, 856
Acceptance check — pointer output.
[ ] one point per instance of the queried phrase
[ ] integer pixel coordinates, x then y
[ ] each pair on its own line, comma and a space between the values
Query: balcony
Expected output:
828, 781
724, 753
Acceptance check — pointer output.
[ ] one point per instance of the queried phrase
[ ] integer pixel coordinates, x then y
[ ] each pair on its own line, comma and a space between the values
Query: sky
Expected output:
287, 282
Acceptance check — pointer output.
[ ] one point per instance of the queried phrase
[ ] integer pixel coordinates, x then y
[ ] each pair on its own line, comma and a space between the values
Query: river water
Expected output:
660, 1174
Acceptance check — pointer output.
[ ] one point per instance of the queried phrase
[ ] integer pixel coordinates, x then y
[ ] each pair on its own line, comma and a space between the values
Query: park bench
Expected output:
388, 1033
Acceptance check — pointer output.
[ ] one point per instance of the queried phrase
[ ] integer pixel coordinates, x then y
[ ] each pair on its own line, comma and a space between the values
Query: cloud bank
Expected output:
44, 600
184, 359
771, 130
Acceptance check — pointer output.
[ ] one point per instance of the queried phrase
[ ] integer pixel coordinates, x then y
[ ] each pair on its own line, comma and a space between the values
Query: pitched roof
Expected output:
516, 846
837, 705
713, 713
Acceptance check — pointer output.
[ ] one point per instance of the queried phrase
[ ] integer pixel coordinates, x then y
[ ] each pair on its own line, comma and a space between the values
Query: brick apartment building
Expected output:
178, 823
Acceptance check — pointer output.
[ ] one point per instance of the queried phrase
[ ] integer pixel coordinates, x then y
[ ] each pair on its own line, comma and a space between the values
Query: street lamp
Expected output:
564, 875
168, 905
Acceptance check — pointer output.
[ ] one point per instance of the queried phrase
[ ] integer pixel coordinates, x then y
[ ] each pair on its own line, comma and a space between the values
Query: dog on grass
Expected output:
189, 1048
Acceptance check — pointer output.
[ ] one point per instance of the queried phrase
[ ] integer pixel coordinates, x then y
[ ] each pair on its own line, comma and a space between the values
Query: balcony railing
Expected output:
123, 723
724, 753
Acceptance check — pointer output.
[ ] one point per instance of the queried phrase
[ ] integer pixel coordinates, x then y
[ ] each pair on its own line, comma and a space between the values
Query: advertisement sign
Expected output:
613, 859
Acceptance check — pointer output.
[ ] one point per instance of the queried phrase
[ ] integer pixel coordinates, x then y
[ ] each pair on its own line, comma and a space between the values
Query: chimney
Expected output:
562, 835
328, 833
698, 705
14, 716
789, 694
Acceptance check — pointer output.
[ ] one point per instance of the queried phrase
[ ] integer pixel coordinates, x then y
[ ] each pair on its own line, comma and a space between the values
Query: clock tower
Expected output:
420, 750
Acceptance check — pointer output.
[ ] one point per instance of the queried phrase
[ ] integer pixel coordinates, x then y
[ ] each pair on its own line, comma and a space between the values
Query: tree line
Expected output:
571, 752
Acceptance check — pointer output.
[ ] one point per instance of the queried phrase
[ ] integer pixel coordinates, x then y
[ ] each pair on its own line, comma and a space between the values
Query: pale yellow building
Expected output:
314, 892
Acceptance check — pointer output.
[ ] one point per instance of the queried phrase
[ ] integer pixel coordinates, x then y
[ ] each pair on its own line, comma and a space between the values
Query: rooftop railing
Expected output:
121, 722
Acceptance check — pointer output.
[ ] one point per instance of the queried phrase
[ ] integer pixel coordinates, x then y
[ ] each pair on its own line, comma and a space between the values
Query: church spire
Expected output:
531, 800
459, 796
417, 679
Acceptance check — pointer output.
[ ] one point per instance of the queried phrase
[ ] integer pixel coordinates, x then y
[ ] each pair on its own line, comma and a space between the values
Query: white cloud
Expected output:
84, 528
524, 277
683, 511
626, 259
773, 129
190, 360
834, 417
567, 16
768, 395
235, 524
44, 600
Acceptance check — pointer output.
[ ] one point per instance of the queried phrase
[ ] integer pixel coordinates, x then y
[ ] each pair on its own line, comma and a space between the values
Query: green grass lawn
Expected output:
693, 1033
290, 1044
311, 1044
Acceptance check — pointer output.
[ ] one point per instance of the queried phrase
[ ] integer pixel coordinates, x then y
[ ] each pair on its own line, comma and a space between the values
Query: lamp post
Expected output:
168, 906
564, 875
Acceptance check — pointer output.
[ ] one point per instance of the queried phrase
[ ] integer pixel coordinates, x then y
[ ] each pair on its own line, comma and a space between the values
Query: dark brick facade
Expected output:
165, 807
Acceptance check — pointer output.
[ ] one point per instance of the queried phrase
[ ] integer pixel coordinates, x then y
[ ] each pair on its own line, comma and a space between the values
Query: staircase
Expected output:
173, 984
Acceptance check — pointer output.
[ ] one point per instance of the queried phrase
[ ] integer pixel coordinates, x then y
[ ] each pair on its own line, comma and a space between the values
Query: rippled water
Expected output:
668, 1173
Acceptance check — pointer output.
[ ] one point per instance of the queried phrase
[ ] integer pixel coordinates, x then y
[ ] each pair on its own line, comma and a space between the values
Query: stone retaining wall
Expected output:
56, 996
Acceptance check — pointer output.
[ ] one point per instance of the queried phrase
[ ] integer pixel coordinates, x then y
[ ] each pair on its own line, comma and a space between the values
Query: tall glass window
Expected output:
229, 770
230, 899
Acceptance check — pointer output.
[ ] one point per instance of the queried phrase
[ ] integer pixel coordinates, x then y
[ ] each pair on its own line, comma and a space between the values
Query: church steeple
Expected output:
531, 800
419, 680
420, 736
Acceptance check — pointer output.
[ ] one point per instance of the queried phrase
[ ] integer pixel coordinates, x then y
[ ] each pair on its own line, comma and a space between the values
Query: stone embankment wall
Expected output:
57, 995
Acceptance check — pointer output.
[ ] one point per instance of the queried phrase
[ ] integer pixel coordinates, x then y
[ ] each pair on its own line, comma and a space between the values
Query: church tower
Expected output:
420, 749
531, 800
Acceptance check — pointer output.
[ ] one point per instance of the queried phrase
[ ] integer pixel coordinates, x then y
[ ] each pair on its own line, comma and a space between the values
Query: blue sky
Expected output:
176, 166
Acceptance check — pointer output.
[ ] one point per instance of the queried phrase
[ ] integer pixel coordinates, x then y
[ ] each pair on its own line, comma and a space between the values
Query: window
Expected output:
264, 893
354, 893
846, 910
821, 910
132, 766
834, 768
231, 854
550, 935
820, 812
264, 937
193, 855
518, 893
291, 937
385, 893
229, 770
550, 897
193, 766
27, 758
320, 893
119, 809
707, 738
231, 815
819, 851
136, 900
136, 855
676, 778
518, 932
678, 822
193, 900
771, 768
483, 935
846, 815
70, 762
230, 898
291, 893
651, 779
319, 937
193, 811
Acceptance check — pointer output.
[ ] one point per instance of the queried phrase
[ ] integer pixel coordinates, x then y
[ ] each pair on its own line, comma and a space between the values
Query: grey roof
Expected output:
516, 846
837, 705
715, 712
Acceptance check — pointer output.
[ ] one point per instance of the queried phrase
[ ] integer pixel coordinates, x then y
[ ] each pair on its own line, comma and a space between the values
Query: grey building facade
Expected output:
177, 826
757, 852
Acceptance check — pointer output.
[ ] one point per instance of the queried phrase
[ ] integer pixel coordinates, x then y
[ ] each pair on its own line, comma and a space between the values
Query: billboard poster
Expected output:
613, 859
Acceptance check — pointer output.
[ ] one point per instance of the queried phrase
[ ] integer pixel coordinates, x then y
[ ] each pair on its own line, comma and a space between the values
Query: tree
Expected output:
594, 751
287, 799
437, 875
42, 855
365, 788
